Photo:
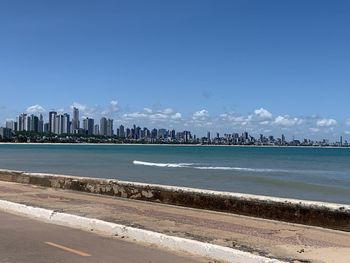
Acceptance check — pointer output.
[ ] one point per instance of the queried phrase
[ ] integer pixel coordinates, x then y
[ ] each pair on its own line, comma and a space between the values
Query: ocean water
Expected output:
321, 174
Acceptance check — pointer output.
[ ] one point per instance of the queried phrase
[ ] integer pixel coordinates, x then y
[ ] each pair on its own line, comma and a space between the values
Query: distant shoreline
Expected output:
172, 145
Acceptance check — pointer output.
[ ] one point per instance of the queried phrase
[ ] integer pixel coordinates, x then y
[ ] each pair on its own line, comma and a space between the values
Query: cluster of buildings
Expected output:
246, 139
65, 125
64, 128
61, 124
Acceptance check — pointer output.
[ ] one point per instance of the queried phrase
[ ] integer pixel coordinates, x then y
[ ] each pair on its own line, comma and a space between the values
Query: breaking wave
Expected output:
169, 165
196, 166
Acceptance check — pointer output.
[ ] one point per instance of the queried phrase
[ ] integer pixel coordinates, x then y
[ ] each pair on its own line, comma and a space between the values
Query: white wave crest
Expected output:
195, 166
169, 165
236, 169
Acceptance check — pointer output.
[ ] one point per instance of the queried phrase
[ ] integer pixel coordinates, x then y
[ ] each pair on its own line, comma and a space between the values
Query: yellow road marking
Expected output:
74, 251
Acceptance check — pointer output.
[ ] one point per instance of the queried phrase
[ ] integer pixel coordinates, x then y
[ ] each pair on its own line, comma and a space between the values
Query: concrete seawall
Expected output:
328, 215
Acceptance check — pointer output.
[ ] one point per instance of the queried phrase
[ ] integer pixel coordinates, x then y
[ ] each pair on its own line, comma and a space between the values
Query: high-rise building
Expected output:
121, 131
103, 126
11, 125
62, 124
33, 123
5, 133
283, 138
96, 129
146, 133
162, 133
52, 121
245, 136
187, 136
46, 127
133, 132
128, 133
22, 122
75, 119
88, 126
173, 134
41, 123
66, 124
58, 124
154, 133
137, 133
110, 131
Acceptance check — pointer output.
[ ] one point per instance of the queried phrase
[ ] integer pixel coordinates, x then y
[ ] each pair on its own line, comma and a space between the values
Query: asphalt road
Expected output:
26, 240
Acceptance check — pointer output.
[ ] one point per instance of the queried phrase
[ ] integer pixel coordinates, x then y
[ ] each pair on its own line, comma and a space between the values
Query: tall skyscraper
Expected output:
41, 124
283, 138
75, 119
173, 134
154, 133
162, 133
128, 133
110, 131
33, 123
5, 133
11, 125
121, 131
22, 122
66, 124
103, 126
96, 129
46, 127
52, 121
88, 126
58, 126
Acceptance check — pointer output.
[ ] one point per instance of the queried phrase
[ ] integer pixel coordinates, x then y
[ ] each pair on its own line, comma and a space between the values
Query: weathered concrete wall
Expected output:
328, 215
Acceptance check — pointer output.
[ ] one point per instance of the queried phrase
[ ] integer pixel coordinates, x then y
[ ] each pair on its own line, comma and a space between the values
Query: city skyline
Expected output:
267, 67
61, 123
259, 121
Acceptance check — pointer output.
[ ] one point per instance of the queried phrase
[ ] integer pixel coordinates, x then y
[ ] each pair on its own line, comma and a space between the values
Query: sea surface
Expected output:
321, 174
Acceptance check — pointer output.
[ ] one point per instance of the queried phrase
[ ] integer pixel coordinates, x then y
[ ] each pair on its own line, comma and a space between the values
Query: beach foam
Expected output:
197, 166
169, 165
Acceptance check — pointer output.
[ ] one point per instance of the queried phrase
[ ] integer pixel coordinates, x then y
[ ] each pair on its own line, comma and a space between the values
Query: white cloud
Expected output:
154, 116
79, 106
60, 111
347, 132
199, 118
347, 122
148, 110
264, 122
326, 122
112, 108
263, 114
232, 119
200, 115
35, 109
114, 105
86, 110
134, 115
314, 129
260, 116
287, 121
168, 111
176, 116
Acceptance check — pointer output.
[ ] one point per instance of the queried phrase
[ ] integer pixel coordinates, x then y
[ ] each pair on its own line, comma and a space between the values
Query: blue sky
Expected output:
262, 66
